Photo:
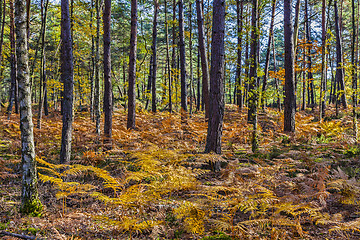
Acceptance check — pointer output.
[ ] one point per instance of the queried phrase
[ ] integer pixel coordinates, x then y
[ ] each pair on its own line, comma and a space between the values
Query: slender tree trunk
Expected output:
173, 57
191, 59
43, 90
198, 81
276, 79
67, 71
182, 58
353, 70
168, 56
323, 63
339, 55
154, 58
204, 61
309, 59
253, 79
132, 66
289, 101
97, 70
92, 62
239, 19
108, 92
267, 61
14, 84
2, 28
216, 113
30, 203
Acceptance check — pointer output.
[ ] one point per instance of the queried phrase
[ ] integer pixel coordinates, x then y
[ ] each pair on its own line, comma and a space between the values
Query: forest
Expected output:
182, 119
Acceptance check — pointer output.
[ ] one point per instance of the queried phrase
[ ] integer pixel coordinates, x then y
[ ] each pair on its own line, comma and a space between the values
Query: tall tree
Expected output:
97, 111
268, 50
108, 101
67, 72
239, 20
339, 56
253, 78
132, 66
13, 98
310, 77
204, 61
168, 56
216, 110
30, 203
154, 58
323, 62
354, 68
182, 57
289, 101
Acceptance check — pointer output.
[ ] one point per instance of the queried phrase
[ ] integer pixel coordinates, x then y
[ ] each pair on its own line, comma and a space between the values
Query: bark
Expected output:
289, 101
173, 57
204, 61
191, 58
154, 58
309, 59
253, 78
132, 66
182, 58
168, 56
92, 63
97, 70
267, 60
2, 28
353, 69
108, 91
216, 111
67, 71
339, 56
14, 84
239, 18
323, 62
30, 203
43, 89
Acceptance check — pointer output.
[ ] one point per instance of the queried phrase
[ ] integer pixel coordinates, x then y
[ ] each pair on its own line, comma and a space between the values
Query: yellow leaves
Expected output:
192, 215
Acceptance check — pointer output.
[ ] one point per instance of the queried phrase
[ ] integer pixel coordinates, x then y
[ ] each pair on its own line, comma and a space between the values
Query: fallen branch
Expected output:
18, 235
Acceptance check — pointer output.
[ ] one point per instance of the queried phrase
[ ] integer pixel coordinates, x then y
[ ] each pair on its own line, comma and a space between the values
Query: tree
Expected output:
14, 84
339, 55
323, 62
132, 66
67, 70
204, 61
289, 101
216, 110
154, 62
30, 203
108, 101
97, 112
182, 58
239, 18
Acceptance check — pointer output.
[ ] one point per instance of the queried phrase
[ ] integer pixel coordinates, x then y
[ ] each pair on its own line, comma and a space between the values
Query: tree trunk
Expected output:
323, 62
289, 101
154, 58
182, 58
353, 69
42, 86
97, 70
67, 71
2, 28
30, 203
14, 84
267, 61
132, 66
339, 55
168, 56
309, 59
216, 111
204, 61
239, 18
191, 59
108, 92
92, 63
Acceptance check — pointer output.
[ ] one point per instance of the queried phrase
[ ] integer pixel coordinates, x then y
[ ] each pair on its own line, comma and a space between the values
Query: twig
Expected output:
18, 235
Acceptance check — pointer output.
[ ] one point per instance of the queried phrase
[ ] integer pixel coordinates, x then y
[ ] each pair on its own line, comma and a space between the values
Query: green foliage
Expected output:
352, 151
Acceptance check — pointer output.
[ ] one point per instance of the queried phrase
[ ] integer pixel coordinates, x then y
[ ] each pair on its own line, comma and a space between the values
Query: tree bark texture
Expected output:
108, 91
132, 66
30, 203
154, 62
204, 61
97, 70
289, 101
67, 71
216, 110
239, 19
182, 57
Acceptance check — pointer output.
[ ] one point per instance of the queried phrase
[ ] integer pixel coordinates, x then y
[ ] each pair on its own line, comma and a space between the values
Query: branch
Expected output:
18, 235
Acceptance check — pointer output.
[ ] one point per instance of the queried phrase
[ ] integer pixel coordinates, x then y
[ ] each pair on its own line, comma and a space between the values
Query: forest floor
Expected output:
155, 182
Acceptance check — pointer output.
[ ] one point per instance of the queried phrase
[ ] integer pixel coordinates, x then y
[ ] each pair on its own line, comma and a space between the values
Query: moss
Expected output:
33, 208
220, 236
